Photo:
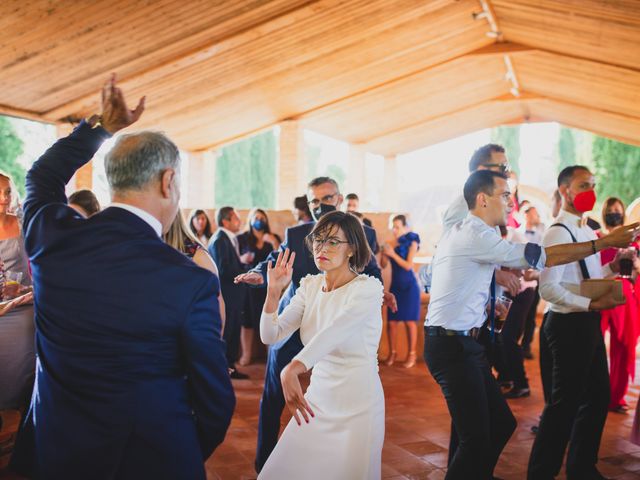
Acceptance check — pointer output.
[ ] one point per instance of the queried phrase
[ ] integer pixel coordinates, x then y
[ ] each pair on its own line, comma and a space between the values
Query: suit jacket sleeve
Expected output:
226, 258
211, 393
46, 180
372, 267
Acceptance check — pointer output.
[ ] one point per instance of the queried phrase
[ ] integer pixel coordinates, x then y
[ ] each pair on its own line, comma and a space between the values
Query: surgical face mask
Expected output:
322, 209
613, 219
258, 225
584, 201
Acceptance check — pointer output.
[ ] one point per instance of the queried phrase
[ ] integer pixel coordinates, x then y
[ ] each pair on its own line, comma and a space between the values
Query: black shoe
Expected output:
535, 429
505, 384
517, 393
591, 475
236, 375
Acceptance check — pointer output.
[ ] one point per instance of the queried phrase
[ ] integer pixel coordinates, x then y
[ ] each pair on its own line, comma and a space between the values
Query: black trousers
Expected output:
530, 322
576, 409
509, 361
482, 422
231, 334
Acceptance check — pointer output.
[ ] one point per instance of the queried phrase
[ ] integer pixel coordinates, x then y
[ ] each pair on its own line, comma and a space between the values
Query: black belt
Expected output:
445, 332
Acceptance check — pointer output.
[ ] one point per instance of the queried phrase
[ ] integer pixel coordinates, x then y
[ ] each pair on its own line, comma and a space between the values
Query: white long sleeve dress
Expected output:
340, 331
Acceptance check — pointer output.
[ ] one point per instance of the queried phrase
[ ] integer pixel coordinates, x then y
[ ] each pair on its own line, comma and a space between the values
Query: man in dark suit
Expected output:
223, 248
131, 379
324, 196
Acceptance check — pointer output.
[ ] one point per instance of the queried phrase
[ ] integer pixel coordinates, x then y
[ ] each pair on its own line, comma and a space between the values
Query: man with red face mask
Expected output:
576, 409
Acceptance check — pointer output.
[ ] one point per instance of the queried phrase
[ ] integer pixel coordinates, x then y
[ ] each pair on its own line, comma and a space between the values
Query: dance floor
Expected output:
417, 430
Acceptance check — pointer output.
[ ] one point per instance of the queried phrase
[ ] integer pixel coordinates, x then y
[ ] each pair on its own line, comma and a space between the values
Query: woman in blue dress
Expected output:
404, 286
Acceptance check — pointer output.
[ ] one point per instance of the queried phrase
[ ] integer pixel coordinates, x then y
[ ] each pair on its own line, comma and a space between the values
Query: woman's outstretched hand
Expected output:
296, 403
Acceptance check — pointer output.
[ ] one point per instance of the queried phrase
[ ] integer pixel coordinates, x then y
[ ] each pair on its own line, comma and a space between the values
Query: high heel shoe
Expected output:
390, 359
410, 361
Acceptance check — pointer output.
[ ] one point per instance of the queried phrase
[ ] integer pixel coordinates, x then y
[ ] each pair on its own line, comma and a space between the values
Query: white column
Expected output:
356, 176
390, 184
291, 171
200, 182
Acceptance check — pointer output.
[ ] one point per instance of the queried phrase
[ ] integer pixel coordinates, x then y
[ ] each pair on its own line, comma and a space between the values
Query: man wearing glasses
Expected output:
490, 157
324, 196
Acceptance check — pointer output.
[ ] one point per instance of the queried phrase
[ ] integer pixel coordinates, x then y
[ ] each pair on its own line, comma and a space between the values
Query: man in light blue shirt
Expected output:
463, 271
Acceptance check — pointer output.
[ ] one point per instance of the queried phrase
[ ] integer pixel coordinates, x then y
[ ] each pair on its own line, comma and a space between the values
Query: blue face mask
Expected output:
258, 225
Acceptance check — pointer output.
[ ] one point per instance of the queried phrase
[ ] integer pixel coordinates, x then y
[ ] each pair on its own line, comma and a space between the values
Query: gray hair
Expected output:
139, 158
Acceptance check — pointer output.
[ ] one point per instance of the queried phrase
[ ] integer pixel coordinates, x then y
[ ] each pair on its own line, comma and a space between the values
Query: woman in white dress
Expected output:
337, 429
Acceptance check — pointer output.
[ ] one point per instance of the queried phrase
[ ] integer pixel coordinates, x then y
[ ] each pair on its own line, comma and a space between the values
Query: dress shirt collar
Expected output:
143, 214
230, 234
570, 219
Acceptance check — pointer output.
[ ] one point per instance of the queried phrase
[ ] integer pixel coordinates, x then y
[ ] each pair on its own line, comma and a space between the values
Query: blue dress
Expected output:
404, 284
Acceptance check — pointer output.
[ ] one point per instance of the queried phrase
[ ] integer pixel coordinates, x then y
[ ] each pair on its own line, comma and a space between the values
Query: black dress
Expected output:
256, 296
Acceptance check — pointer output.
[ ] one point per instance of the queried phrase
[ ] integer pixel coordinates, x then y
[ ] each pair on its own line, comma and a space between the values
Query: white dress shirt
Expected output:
143, 214
467, 255
560, 285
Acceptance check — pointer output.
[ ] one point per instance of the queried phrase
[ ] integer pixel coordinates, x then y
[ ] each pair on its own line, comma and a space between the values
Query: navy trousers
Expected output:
272, 402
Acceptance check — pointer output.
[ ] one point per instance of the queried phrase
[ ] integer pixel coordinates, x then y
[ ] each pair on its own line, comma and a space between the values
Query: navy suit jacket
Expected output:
131, 378
229, 266
304, 264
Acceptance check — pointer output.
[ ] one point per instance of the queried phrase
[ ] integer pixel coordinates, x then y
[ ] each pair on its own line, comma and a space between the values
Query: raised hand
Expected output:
115, 114
279, 276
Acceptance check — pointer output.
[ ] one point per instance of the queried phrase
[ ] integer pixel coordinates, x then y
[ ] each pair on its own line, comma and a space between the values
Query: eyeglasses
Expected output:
326, 199
331, 243
503, 167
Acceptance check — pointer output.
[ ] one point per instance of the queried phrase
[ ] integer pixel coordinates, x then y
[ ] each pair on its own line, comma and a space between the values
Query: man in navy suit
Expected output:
223, 248
131, 377
324, 196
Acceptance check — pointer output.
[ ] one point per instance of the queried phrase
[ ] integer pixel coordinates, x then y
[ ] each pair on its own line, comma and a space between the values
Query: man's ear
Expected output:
481, 199
166, 182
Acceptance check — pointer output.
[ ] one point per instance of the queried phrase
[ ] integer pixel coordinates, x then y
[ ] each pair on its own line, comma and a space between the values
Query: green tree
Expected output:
616, 168
509, 138
10, 150
566, 150
246, 173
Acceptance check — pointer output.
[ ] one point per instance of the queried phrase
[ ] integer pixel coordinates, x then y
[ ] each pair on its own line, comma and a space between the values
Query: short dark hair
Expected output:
207, 227
480, 181
566, 175
352, 229
483, 155
301, 204
320, 180
87, 200
352, 196
223, 214
401, 218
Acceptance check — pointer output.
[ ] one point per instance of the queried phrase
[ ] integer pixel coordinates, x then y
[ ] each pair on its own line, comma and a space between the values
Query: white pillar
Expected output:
200, 182
356, 176
390, 201
291, 171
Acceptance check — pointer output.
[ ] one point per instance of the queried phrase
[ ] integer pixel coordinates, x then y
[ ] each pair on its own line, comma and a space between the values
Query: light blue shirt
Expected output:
468, 254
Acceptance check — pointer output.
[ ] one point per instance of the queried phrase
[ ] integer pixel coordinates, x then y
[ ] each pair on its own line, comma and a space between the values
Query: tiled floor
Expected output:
417, 430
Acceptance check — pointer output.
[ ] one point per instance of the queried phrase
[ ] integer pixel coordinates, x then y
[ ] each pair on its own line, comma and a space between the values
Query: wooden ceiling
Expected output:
392, 75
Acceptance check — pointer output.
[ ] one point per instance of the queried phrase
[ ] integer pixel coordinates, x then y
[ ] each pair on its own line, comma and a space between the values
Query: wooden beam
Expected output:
196, 56
19, 113
501, 48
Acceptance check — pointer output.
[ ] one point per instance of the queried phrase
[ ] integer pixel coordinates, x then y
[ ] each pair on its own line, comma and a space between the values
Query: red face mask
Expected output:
584, 201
